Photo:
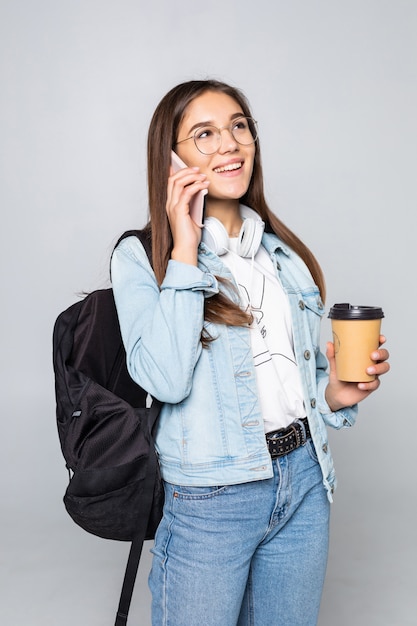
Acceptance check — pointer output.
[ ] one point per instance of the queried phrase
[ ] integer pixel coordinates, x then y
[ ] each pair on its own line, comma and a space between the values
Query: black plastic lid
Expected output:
346, 311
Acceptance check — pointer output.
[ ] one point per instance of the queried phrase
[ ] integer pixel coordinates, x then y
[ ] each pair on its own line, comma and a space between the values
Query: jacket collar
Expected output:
272, 243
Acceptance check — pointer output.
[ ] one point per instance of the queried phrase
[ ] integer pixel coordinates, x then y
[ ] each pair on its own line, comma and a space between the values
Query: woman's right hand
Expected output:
186, 234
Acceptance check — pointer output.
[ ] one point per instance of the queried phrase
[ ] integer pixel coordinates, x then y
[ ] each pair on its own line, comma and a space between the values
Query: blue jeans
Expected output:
252, 554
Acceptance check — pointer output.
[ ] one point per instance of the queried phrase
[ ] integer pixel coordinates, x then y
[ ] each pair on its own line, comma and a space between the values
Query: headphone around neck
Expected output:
216, 237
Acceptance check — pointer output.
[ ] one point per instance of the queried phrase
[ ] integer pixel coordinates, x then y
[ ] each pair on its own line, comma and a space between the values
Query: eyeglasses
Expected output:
208, 138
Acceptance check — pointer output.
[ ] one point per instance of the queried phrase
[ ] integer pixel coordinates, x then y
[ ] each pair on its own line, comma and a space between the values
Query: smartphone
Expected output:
197, 203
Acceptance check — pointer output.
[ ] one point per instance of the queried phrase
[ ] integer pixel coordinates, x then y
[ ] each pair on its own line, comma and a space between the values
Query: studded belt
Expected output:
285, 440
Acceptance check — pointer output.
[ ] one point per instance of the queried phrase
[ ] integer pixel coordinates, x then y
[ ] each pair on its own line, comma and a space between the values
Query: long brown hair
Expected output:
162, 137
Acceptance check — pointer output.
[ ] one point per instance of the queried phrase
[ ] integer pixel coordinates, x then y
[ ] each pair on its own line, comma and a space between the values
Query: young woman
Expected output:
225, 331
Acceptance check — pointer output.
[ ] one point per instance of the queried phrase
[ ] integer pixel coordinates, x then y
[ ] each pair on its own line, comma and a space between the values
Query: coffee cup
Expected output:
356, 331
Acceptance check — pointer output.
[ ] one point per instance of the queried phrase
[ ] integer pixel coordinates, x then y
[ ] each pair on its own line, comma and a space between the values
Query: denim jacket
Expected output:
210, 431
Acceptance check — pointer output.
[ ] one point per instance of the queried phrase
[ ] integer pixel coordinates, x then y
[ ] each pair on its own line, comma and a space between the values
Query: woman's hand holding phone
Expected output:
185, 199
196, 203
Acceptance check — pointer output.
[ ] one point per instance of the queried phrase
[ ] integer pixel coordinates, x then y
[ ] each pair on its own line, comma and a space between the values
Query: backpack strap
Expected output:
137, 543
145, 237
119, 379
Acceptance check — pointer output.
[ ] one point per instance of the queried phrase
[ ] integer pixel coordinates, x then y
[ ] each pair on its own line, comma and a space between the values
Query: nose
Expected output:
227, 142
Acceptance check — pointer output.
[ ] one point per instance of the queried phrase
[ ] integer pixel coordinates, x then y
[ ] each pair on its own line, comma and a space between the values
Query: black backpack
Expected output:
105, 430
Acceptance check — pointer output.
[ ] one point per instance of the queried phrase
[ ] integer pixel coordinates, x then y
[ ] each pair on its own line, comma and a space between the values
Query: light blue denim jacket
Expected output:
210, 430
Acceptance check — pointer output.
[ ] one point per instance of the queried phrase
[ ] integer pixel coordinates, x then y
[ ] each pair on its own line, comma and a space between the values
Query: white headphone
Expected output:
216, 237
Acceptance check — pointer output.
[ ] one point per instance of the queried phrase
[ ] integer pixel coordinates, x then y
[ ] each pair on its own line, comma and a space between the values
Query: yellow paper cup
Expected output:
356, 331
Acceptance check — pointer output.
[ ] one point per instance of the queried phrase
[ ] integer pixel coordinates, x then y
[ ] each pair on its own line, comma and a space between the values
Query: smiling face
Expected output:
229, 170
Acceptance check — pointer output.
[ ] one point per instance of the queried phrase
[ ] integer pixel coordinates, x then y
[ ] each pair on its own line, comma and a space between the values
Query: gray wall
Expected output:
333, 86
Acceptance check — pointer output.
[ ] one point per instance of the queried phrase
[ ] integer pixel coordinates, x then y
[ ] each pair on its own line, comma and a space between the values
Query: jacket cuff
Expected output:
184, 276
344, 418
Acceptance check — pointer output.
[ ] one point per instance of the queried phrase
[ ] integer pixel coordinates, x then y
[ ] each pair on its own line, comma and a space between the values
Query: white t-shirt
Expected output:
277, 374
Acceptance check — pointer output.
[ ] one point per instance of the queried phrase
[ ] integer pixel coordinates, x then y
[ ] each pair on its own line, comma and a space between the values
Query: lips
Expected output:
229, 167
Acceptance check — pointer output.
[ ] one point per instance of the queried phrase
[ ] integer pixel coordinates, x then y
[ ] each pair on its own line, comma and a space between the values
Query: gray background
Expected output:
333, 86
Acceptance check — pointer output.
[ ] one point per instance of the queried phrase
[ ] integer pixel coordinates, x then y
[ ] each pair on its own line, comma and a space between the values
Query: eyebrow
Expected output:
211, 123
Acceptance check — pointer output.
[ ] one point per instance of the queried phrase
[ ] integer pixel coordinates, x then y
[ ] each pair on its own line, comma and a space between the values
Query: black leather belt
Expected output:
286, 440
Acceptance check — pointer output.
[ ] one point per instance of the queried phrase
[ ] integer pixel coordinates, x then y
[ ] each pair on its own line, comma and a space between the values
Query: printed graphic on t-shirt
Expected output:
255, 305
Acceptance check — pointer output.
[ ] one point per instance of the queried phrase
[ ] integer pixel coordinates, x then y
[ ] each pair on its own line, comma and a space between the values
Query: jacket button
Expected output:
278, 266
313, 403
325, 448
307, 355
301, 305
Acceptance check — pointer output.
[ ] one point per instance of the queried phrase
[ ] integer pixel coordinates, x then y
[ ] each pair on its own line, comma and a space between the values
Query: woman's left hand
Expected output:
340, 394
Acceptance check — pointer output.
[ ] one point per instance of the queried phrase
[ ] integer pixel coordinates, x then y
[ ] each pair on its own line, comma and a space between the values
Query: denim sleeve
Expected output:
160, 327
336, 419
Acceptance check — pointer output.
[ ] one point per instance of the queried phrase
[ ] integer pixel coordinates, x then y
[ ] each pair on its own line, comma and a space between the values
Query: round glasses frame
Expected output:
252, 128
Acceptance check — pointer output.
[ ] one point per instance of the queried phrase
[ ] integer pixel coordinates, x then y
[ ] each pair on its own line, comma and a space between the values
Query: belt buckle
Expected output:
300, 437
